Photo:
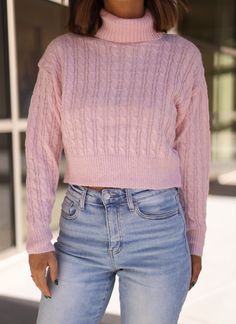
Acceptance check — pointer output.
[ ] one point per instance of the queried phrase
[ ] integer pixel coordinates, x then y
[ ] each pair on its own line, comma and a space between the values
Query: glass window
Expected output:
7, 226
4, 71
224, 118
211, 21
35, 28
213, 30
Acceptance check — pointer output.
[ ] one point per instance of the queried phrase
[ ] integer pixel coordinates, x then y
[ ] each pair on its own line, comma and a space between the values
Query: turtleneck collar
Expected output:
118, 29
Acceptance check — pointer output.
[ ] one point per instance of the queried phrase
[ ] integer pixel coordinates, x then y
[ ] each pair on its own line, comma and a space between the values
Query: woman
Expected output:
128, 103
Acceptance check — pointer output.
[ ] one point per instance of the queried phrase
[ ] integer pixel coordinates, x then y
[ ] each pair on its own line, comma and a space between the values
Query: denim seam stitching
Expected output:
183, 222
106, 293
160, 216
117, 250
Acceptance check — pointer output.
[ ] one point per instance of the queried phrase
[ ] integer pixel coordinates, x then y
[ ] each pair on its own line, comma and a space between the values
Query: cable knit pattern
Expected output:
129, 107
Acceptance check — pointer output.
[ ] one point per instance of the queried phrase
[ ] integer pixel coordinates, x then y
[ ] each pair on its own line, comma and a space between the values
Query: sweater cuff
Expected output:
39, 240
196, 240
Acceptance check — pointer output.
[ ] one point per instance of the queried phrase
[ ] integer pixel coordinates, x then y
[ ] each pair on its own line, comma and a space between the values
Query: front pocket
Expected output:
157, 206
69, 208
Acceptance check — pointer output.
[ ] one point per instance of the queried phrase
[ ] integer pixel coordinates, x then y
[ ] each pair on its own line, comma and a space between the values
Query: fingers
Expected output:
194, 279
192, 283
196, 269
42, 283
52, 262
40, 271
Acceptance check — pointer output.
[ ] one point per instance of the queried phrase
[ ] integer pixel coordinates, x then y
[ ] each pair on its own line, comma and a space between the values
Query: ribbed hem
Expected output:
39, 240
120, 171
39, 247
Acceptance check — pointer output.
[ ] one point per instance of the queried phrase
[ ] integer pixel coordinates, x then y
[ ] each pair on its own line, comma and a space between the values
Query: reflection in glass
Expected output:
7, 226
213, 22
213, 31
35, 28
224, 118
4, 66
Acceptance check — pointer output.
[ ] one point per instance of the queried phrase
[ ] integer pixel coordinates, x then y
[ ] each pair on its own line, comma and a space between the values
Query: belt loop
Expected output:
129, 199
82, 200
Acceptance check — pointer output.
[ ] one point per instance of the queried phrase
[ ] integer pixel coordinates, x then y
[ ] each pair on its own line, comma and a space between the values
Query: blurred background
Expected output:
26, 27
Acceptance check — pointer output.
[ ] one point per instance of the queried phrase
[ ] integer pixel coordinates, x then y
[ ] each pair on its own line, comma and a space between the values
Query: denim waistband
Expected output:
112, 193
80, 189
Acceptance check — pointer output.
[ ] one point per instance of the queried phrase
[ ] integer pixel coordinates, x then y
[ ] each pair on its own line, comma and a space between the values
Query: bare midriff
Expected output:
97, 188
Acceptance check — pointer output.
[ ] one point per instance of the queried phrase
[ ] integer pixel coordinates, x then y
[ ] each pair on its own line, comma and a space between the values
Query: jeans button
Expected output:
106, 195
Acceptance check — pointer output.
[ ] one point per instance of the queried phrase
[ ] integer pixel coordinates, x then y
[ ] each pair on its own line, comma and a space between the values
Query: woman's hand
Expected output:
38, 266
196, 269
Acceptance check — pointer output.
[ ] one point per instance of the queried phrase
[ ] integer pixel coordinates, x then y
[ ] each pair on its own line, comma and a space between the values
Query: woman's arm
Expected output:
194, 147
43, 148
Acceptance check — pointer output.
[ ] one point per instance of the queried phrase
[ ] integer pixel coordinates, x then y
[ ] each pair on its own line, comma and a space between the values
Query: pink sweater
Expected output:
130, 109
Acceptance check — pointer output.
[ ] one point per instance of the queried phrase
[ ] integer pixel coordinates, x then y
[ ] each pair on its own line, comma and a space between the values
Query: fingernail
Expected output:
47, 296
56, 282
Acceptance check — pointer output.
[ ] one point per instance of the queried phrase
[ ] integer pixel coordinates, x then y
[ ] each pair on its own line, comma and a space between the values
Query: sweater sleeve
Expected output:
193, 144
43, 148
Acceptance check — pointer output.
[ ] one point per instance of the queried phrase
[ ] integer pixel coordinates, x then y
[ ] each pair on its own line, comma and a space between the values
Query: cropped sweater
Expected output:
129, 107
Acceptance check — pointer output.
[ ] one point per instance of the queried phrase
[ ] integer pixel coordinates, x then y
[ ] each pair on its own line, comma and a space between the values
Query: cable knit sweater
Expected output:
129, 107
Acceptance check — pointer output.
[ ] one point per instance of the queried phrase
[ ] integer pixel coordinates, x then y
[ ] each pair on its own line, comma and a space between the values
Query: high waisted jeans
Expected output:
138, 234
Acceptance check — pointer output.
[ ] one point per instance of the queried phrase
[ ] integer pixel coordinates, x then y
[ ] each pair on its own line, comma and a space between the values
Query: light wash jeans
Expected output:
138, 234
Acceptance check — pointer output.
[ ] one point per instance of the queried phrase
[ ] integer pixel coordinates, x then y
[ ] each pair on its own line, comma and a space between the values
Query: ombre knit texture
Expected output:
129, 107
